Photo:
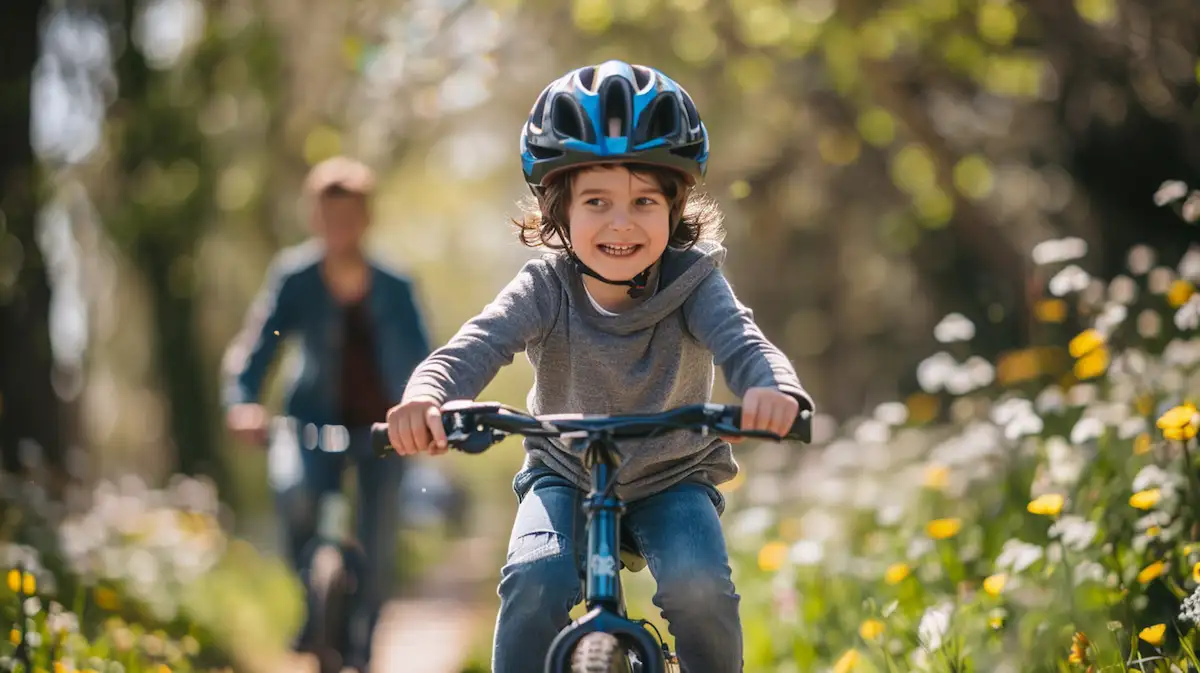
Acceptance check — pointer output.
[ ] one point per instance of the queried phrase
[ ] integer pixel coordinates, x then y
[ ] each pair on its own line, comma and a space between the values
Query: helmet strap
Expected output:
637, 285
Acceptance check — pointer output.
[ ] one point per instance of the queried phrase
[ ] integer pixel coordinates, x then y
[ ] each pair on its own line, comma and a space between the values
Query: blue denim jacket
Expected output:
295, 302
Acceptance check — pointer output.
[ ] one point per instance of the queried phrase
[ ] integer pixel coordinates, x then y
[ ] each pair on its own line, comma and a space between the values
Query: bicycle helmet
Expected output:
614, 111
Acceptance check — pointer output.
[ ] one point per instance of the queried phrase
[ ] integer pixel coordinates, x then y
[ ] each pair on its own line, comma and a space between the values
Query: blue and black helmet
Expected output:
614, 111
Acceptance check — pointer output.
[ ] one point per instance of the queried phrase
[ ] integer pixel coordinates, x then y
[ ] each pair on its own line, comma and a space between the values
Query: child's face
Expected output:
620, 221
341, 220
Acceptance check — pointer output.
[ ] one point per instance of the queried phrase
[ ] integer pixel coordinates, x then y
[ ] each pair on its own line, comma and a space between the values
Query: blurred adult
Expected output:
359, 335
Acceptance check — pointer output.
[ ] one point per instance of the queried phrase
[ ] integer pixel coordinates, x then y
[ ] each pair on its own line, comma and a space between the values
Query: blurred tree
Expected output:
165, 178
885, 163
29, 407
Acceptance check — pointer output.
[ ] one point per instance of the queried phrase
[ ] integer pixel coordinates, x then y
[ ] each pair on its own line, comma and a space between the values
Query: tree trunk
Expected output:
161, 239
29, 407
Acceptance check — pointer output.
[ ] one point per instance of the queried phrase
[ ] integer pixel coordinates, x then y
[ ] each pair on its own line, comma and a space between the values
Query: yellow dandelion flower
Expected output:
871, 629
1050, 504
994, 584
1153, 634
1196, 573
1093, 364
847, 662
1021, 365
943, 529
1145, 499
1141, 445
922, 407
936, 477
60, 667
1179, 294
1153, 531
29, 585
107, 599
1179, 423
1079, 649
1050, 310
163, 668
14, 581
772, 556
14, 637
1085, 342
1180, 434
1151, 572
896, 573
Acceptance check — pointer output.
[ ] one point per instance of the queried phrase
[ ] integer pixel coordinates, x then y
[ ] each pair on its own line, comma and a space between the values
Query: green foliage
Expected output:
142, 580
1051, 525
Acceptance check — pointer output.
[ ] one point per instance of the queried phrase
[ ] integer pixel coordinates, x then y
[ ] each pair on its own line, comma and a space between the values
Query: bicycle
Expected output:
604, 639
333, 561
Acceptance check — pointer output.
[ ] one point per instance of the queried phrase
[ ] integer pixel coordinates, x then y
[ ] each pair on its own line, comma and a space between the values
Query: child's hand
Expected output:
416, 425
769, 409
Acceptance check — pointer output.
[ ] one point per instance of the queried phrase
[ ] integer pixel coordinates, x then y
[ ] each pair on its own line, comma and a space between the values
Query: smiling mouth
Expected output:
624, 250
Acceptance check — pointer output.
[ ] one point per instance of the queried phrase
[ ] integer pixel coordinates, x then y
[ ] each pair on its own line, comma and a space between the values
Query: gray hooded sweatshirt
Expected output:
657, 355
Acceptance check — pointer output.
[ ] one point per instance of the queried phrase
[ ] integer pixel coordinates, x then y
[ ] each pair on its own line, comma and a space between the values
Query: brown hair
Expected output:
340, 176
694, 216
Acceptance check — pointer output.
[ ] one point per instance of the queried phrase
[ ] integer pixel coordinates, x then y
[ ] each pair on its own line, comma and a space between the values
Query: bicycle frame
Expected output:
603, 596
473, 427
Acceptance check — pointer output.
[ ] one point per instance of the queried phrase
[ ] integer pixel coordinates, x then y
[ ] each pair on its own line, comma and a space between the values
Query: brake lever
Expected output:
472, 442
732, 430
463, 433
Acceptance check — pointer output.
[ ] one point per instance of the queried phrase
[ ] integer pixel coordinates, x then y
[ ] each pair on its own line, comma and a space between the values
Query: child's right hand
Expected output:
415, 425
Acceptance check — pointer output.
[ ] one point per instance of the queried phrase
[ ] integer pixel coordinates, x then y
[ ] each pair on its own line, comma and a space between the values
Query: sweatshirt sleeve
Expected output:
520, 315
726, 327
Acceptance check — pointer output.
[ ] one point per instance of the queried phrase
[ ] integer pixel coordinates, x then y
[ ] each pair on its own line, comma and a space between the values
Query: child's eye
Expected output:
647, 201
596, 202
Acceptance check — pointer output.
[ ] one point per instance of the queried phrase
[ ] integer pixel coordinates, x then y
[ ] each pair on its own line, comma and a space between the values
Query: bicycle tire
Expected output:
329, 586
599, 653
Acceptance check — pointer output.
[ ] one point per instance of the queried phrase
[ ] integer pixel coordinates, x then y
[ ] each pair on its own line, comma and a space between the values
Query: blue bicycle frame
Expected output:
603, 595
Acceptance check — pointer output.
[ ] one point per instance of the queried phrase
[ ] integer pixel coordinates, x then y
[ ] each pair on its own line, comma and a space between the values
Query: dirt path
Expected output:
431, 630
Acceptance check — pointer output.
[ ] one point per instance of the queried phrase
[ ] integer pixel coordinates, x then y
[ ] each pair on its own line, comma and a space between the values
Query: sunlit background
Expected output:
970, 224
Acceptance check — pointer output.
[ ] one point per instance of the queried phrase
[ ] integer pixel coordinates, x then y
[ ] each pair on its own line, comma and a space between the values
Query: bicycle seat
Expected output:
631, 555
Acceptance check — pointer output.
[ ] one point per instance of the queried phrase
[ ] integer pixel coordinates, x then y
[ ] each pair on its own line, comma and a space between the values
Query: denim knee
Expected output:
540, 574
699, 591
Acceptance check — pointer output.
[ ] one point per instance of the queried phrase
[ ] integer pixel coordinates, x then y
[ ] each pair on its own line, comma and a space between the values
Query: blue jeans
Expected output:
299, 476
679, 532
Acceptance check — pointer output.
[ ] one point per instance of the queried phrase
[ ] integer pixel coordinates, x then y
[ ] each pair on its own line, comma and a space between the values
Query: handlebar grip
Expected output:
474, 442
380, 444
801, 429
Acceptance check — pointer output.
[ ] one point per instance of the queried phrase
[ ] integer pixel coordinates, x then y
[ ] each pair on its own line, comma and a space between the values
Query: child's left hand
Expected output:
767, 409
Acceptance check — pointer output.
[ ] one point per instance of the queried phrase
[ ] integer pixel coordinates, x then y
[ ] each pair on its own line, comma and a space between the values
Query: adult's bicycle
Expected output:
604, 639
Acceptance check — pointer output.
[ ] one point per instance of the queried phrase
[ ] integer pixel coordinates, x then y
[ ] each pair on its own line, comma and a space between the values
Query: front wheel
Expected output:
599, 653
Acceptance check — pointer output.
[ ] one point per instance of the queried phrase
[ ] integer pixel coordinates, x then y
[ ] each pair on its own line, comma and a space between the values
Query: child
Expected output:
360, 335
627, 315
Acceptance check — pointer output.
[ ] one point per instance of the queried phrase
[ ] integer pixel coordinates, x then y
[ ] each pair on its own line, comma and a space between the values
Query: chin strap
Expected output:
637, 285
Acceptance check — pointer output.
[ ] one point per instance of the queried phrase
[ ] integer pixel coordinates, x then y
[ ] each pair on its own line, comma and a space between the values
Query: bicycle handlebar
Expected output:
472, 427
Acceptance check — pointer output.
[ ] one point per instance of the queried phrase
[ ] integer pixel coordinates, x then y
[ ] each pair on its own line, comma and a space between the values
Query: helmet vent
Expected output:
642, 77
539, 108
587, 78
617, 104
692, 115
567, 118
662, 121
